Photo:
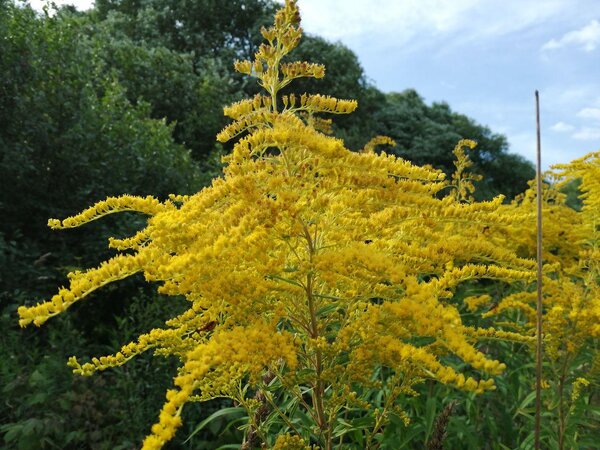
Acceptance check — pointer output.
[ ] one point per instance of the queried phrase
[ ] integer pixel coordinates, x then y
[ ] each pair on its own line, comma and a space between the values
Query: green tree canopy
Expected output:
69, 134
223, 29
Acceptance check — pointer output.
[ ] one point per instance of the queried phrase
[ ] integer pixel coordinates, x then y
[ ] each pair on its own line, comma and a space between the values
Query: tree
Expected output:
207, 36
225, 30
179, 87
69, 132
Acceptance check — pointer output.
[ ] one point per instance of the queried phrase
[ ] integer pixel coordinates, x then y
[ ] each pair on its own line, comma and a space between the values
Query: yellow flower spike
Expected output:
376, 141
290, 442
462, 181
81, 284
146, 205
244, 67
477, 301
578, 386
133, 242
308, 264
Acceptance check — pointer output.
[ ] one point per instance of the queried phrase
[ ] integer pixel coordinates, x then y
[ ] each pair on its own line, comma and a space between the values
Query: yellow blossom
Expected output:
307, 264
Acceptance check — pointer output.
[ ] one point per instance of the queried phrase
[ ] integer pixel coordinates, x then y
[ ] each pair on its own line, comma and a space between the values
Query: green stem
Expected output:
379, 422
562, 420
279, 412
318, 388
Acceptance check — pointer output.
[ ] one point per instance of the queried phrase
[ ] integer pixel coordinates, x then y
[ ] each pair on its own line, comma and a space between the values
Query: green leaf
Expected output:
13, 432
215, 415
522, 409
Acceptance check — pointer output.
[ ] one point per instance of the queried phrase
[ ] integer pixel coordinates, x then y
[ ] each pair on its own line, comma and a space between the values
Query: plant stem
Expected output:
539, 302
318, 388
562, 419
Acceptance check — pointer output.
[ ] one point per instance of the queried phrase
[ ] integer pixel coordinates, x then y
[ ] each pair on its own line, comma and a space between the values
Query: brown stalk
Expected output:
253, 439
439, 430
538, 353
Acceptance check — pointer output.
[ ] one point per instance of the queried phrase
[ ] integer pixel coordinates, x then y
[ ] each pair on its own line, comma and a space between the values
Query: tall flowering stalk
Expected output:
308, 269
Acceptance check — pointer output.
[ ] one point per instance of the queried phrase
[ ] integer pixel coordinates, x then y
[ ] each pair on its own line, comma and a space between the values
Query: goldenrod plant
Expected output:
312, 273
571, 292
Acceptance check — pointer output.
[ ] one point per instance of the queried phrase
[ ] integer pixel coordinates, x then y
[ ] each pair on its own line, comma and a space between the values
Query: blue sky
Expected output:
483, 57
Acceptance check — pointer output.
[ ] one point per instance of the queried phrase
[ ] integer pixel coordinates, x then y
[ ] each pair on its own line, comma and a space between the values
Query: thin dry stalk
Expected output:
253, 440
538, 353
439, 430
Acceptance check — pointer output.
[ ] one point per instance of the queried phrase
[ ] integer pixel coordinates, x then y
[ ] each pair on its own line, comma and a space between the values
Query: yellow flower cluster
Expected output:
136, 241
273, 75
325, 103
474, 302
571, 276
290, 442
376, 141
572, 269
146, 205
303, 69
81, 284
310, 263
244, 107
462, 181
578, 386
307, 239
217, 365
167, 339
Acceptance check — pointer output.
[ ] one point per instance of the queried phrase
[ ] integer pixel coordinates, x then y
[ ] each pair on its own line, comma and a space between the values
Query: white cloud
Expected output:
562, 127
589, 113
336, 19
567, 95
402, 20
587, 37
587, 134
